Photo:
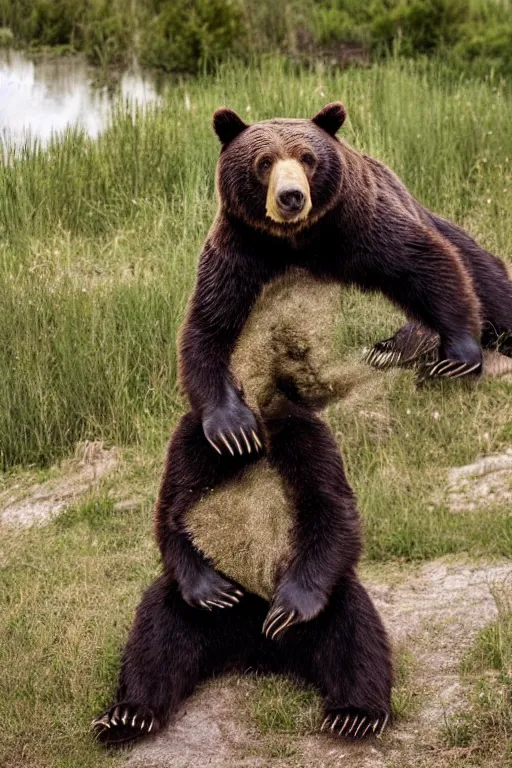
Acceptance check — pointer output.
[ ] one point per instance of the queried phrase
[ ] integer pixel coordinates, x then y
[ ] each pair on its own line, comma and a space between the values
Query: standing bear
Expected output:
236, 532
290, 196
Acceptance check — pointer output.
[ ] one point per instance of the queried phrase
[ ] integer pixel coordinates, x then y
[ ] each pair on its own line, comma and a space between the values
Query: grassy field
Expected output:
98, 247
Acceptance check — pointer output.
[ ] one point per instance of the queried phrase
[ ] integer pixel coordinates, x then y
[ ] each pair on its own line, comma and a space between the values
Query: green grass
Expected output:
280, 706
98, 248
192, 36
483, 730
99, 243
68, 595
99, 240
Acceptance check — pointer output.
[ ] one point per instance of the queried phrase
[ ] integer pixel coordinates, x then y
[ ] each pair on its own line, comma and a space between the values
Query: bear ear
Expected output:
331, 117
227, 125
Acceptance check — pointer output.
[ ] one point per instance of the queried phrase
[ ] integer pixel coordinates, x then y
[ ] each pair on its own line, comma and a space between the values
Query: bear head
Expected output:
279, 175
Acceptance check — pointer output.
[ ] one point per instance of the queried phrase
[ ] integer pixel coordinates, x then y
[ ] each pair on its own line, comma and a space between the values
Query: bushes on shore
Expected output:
192, 35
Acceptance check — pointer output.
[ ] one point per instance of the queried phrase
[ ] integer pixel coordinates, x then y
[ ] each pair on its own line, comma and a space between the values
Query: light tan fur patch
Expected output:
244, 525
287, 174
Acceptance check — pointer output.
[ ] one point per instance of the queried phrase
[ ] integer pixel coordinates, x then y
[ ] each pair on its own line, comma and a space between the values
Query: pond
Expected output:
44, 96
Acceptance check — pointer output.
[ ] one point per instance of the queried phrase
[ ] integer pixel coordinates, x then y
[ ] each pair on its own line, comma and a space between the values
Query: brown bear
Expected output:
292, 194
232, 532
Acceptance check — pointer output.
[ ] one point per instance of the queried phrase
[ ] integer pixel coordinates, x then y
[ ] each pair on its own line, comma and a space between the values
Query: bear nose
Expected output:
291, 200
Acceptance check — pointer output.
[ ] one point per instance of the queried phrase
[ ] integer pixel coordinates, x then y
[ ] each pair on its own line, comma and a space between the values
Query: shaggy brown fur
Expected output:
343, 217
362, 227
287, 345
263, 528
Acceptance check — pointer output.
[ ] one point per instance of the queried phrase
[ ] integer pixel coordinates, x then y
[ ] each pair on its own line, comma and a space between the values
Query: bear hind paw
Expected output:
409, 346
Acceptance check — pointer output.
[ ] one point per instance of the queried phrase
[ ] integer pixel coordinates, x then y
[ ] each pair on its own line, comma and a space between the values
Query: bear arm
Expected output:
226, 289
423, 274
192, 470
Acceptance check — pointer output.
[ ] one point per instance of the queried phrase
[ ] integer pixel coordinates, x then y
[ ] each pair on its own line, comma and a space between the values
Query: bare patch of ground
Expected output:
436, 615
486, 481
214, 729
433, 611
37, 503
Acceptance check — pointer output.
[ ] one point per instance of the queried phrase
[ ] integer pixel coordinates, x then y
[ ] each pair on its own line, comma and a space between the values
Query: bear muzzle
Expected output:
288, 196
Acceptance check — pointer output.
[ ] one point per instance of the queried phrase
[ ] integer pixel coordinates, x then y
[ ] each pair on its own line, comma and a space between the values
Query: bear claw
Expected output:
277, 621
327, 721
225, 441
247, 443
356, 724
258, 445
211, 590
361, 723
119, 725
450, 369
216, 447
407, 347
344, 725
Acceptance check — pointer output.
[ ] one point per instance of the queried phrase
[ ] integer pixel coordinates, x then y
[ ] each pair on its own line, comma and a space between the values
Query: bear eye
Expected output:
308, 159
265, 164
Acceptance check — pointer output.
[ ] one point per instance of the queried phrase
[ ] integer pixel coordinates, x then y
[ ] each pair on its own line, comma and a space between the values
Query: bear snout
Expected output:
288, 194
291, 201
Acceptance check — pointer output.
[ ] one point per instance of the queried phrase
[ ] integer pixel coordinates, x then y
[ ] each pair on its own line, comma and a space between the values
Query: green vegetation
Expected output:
98, 247
68, 593
483, 731
278, 705
189, 36
99, 242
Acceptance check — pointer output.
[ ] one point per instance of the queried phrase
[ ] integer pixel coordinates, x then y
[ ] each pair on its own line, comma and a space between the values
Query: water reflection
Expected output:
44, 97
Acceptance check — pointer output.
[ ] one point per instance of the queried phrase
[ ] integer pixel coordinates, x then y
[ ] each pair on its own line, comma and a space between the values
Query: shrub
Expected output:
191, 36
421, 26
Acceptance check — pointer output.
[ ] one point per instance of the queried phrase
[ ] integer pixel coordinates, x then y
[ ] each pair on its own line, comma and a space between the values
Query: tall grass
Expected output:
99, 239
98, 247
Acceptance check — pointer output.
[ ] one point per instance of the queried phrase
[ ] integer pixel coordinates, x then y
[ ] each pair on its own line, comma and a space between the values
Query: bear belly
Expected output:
243, 527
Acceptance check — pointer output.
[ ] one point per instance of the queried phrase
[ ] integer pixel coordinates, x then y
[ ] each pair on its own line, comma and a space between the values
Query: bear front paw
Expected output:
292, 604
124, 722
355, 722
210, 590
232, 427
457, 359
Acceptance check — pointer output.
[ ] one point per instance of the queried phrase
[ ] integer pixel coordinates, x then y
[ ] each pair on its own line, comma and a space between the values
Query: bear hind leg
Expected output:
356, 674
171, 648
349, 662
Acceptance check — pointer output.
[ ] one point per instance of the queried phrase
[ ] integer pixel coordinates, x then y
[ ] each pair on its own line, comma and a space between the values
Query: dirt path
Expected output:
26, 503
433, 611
